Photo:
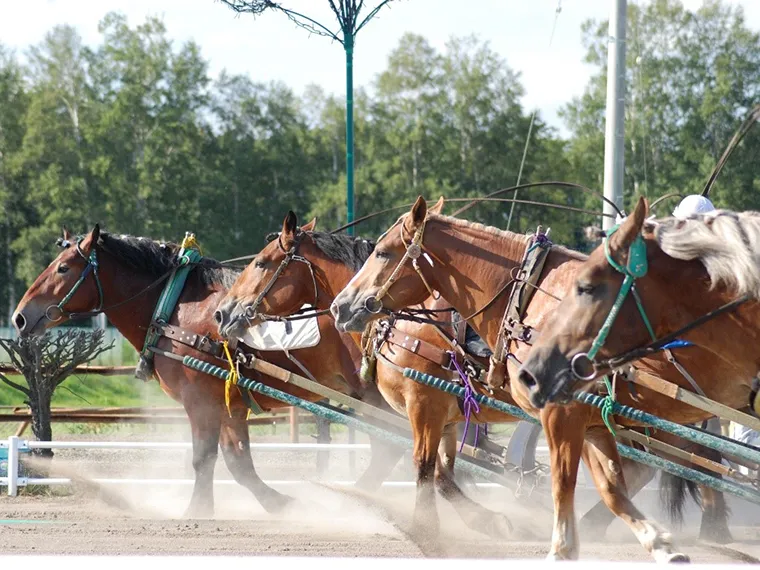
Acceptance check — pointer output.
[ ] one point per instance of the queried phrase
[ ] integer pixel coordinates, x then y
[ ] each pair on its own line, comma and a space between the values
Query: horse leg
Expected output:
673, 493
426, 432
236, 450
608, 478
564, 435
714, 527
598, 518
474, 515
205, 427
383, 459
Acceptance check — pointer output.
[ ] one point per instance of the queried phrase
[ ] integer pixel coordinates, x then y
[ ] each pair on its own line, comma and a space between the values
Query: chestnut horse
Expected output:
126, 268
433, 414
470, 264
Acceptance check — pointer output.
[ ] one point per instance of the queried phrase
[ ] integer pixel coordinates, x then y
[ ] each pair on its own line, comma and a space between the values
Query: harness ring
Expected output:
574, 366
373, 304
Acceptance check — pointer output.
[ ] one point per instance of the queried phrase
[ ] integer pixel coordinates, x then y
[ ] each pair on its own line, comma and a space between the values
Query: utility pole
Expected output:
614, 136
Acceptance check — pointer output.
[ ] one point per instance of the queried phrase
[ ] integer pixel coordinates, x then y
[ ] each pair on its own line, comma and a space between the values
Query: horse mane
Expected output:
348, 250
157, 258
727, 244
503, 234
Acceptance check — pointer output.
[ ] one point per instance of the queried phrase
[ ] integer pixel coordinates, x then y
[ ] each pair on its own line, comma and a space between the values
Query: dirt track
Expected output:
324, 524
132, 519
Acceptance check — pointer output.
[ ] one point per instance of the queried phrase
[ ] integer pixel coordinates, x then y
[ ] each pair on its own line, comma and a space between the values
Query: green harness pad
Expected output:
167, 302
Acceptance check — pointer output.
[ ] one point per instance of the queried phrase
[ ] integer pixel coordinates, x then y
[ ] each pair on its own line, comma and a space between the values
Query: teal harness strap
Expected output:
637, 267
167, 302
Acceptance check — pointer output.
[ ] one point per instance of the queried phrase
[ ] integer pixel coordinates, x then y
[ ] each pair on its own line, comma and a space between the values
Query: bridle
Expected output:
413, 251
251, 312
91, 267
636, 268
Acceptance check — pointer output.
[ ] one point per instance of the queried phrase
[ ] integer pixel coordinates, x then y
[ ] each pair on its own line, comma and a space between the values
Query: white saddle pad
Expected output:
274, 335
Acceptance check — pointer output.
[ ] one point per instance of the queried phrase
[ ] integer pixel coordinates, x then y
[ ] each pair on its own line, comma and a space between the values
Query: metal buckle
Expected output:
574, 366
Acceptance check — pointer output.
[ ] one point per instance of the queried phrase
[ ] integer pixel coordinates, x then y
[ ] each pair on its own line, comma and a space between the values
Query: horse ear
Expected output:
67, 234
419, 212
290, 224
631, 227
310, 226
438, 208
92, 239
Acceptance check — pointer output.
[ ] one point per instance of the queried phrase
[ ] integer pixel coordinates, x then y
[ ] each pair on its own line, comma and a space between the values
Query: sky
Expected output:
270, 47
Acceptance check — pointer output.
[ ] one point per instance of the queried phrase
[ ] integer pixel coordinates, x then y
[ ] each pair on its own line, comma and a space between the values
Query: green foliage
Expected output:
134, 134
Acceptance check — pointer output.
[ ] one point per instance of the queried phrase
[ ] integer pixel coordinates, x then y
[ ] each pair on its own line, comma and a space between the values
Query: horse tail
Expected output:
673, 494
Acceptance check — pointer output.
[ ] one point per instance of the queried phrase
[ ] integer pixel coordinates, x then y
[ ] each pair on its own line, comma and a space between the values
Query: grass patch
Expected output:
89, 390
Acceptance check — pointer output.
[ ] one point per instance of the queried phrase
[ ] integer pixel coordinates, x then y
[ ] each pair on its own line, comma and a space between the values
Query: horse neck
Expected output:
332, 277
479, 263
132, 319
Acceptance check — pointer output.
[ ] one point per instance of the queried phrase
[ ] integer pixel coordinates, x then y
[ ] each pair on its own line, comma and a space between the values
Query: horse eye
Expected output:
260, 264
585, 289
382, 254
63, 268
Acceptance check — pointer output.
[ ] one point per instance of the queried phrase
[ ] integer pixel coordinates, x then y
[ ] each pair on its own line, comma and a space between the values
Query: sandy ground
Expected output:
324, 521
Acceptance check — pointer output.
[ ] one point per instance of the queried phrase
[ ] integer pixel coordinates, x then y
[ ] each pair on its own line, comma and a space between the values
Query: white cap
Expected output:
692, 205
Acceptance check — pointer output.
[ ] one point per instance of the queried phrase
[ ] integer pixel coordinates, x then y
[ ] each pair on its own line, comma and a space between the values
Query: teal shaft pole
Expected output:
336, 417
647, 458
349, 46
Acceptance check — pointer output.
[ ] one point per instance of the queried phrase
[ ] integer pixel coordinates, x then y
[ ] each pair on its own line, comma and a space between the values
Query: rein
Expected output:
637, 267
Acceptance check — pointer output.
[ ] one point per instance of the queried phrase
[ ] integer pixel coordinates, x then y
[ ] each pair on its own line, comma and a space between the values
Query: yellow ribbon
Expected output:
190, 242
233, 377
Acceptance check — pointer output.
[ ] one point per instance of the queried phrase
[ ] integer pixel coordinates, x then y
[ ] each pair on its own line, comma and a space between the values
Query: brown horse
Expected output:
126, 268
433, 414
470, 264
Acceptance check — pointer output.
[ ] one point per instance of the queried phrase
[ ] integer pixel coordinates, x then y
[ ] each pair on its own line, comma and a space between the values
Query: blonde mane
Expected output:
727, 244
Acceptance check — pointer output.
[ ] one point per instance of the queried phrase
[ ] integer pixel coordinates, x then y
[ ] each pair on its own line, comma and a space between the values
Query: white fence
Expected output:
13, 447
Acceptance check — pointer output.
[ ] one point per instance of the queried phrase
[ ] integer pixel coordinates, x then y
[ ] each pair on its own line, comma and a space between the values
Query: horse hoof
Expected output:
716, 536
678, 558
558, 557
199, 512
499, 526
277, 504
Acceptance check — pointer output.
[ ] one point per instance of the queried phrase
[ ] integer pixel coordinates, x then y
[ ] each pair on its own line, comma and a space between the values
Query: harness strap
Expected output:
523, 289
417, 346
167, 302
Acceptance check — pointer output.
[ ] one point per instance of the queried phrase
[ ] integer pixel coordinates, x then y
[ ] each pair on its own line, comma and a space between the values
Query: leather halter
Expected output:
251, 312
413, 251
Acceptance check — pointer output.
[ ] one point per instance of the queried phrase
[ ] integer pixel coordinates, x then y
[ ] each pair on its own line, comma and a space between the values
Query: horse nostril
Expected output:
20, 321
218, 317
528, 380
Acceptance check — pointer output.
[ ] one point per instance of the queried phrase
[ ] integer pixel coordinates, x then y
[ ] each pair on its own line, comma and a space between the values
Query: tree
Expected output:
46, 362
349, 16
13, 105
692, 76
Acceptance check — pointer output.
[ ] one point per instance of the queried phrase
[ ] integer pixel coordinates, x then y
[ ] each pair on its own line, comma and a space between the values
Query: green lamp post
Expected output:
348, 14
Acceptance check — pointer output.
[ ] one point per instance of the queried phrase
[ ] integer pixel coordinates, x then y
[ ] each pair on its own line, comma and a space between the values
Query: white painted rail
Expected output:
16, 446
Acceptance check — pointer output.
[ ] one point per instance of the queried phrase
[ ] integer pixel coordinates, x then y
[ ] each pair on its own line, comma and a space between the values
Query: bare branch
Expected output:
371, 15
257, 7
14, 385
